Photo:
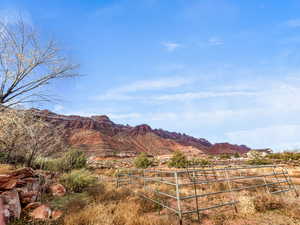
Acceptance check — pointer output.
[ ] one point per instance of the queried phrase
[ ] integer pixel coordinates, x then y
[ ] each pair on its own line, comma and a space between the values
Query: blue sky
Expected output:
224, 70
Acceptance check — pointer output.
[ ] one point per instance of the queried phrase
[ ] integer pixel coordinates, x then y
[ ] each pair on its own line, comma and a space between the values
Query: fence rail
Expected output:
184, 191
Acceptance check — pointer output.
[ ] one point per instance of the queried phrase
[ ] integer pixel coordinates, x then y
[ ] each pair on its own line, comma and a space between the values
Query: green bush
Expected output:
78, 180
3, 157
236, 155
73, 159
142, 161
47, 164
178, 160
225, 156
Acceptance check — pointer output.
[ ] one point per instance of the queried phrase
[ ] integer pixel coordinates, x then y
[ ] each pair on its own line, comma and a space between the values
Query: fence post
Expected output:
230, 189
266, 183
178, 197
144, 178
290, 182
117, 179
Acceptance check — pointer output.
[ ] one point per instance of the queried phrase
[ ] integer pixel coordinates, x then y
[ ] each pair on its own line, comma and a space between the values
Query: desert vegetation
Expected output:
47, 181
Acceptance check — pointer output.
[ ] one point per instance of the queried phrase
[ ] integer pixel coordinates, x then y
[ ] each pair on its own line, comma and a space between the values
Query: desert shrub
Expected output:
105, 193
200, 162
70, 202
73, 159
78, 180
263, 203
259, 161
47, 164
178, 160
142, 161
225, 156
285, 156
3, 157
236, 155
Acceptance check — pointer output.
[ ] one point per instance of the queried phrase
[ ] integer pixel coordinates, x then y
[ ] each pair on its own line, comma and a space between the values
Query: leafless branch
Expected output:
27, 65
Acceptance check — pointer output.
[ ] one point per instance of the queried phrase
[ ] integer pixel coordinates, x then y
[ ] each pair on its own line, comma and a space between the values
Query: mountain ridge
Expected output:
101, 137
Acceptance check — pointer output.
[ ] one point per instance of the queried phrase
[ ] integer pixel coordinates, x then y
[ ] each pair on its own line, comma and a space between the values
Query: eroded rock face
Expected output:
57, 189
100, 137
221, 148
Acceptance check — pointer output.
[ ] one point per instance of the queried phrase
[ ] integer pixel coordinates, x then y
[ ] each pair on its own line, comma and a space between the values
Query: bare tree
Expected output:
24, 135
27, 65
11, 132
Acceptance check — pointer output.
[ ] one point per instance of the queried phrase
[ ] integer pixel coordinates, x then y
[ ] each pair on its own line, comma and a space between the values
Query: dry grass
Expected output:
117, 207
113, 206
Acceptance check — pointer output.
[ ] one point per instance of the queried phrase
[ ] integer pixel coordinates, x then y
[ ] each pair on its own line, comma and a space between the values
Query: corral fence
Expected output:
191, 191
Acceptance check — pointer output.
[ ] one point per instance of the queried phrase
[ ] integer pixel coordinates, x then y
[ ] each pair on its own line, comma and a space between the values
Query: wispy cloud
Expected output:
171, 46
58, 108
293, 23
215, 41
123, 92
200, 95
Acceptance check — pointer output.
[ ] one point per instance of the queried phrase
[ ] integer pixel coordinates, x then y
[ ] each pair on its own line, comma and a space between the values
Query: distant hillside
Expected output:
100, 137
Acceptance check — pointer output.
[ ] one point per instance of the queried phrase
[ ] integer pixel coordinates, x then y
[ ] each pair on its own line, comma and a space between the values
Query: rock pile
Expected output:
21, 190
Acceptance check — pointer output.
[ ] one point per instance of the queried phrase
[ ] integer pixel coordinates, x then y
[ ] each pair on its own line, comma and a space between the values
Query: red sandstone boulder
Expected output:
32, 206
57, 189
2, 216
7, 182
42, 212
30, 191
56, 214
12, 205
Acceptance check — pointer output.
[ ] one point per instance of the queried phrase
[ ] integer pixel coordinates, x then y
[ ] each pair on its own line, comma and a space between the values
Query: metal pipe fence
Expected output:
194, 190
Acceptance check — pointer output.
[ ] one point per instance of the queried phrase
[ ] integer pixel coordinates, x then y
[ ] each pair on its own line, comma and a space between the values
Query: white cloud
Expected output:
202, 95
125, 116
293, 23
279, 137
162, 83
58, 108
122, 93
171, 46
215, 41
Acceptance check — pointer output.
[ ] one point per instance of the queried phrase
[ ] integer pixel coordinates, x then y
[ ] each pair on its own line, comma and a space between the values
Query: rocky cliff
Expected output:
101, 137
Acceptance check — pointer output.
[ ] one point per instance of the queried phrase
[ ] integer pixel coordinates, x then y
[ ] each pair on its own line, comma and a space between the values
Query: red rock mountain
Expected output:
101, 137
